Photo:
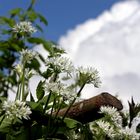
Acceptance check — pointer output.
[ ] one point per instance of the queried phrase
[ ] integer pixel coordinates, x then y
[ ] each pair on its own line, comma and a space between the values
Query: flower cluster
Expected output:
112, 113
55, 87
128, 134
27, 55
106, 128
69, 95
24, 27
60, 64
112, 127
19, 69
16, 109
89, 75
61, 89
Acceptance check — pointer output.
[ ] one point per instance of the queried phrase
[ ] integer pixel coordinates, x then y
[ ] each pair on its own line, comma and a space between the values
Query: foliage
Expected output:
35, 115
12, 42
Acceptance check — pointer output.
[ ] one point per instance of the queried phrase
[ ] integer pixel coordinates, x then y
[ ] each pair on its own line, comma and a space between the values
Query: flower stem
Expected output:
73, 101
18, 93
58, 111
49, 96
23, 82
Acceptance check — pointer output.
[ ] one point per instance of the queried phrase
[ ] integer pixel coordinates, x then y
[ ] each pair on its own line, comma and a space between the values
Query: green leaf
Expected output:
31, 5
40, 90
45, 98
31, 97
86, 133
41, 57
42, 19
15, 12
138, 128
2, 99
39, 28
22, 135
5, 125
5, 20
36, 131
2, 62
47, 45
32, 16
34, 64
36, 106
16, 47
48, 73
55, 51
71, 123
6, 32
36, 40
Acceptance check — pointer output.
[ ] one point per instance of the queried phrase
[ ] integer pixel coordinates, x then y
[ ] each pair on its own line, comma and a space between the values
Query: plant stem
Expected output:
18, 93
23, 82
49, 119
78, 94
49, 96
58, 111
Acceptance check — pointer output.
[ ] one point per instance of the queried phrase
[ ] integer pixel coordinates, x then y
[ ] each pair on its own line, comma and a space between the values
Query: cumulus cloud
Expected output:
111, 43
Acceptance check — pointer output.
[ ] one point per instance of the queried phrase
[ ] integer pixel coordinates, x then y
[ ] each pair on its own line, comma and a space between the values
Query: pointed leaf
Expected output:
35, 106
43, 19
15, 12
39, 28
32, 98
71, 123
47, 45
5, 20
40, 90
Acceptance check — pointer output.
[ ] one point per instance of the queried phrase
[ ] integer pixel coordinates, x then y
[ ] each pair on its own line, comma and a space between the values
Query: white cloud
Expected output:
111, 43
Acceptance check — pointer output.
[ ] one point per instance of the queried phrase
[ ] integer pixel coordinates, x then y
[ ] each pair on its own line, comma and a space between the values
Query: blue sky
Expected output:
62, 15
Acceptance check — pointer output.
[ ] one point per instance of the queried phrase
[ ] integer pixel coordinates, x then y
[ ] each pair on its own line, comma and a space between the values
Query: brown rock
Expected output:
88, 110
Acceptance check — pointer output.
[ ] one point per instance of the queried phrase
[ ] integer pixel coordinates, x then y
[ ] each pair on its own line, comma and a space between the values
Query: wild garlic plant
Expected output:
18, 108
24, 74
61, 86
66, 82
115, 125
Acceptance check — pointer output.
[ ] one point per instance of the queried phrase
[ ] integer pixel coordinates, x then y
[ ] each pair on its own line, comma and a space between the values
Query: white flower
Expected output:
29, 73
113, 113
19, 69
129, 134
16, 109
89, 75
68, 95
60, 64
24, 27
55, 87
27, 55
106, 128
108, 110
